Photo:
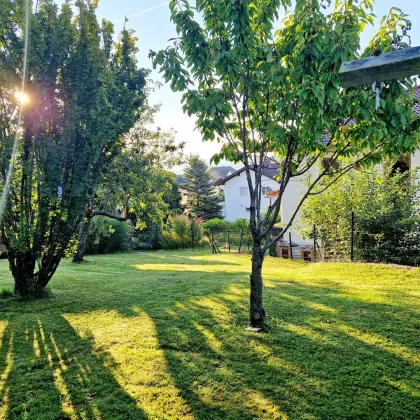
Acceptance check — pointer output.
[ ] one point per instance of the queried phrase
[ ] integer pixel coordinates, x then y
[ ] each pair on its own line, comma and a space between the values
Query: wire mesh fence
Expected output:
369, 240
233, 242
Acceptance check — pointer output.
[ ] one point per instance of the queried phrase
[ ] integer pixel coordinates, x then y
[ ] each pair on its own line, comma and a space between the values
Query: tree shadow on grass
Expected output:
50, 372
324, 356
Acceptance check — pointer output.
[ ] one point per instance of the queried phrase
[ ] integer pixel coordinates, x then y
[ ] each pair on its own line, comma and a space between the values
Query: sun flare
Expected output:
22, 97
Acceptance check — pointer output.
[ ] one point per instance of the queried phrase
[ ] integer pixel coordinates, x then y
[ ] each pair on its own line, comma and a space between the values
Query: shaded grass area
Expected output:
161, 336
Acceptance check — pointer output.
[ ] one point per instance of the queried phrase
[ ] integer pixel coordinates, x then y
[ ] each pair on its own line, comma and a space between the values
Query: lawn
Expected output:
162, 336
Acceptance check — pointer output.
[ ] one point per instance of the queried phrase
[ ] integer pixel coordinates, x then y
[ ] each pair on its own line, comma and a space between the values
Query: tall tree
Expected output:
202, 199
85, 92
263, 92
136, 185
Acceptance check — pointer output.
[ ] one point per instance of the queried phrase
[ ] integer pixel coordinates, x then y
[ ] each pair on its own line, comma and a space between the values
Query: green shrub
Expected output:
241, 224
108, 235
387, 224
214, 225
182, 232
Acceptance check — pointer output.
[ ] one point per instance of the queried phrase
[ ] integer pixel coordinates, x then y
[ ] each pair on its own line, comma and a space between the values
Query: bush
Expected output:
214, 225
182, 232
108, 235
386, 206
241, 224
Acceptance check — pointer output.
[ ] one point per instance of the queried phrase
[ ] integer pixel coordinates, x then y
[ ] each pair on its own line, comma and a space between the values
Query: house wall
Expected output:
415, 159
236, 204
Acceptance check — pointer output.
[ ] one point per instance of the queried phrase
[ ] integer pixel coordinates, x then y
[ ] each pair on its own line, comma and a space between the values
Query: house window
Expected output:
332, 167
248, 208
243, 191
265, 190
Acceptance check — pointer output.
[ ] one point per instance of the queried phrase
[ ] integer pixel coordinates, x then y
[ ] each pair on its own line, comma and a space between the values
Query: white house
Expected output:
237, 199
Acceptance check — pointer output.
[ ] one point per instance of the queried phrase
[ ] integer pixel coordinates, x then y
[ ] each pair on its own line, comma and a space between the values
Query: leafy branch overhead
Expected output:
85, 93
264, 88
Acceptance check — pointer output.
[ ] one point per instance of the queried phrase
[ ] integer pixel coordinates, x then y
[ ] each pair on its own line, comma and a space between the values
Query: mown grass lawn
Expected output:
162, 336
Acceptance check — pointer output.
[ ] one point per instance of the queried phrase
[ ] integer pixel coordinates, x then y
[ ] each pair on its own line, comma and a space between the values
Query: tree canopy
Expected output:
263, 88
85, 91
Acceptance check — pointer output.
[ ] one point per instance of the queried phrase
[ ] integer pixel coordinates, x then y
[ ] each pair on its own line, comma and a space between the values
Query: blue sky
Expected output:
151, 21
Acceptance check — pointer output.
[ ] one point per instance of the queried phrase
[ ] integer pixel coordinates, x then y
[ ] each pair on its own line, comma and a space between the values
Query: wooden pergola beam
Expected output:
395, 65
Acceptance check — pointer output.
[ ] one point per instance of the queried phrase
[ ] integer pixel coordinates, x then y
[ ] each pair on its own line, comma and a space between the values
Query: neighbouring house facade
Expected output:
220, 172
184, 194
237, 200
235, 186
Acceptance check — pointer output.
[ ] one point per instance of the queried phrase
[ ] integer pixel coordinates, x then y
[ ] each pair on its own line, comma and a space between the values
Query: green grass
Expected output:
161, 336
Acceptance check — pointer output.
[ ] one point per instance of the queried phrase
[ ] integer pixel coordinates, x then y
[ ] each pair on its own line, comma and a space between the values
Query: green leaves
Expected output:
263, 92
85, 94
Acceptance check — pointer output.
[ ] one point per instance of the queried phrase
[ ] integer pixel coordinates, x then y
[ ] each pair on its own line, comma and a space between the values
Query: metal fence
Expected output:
383, 243
232, 242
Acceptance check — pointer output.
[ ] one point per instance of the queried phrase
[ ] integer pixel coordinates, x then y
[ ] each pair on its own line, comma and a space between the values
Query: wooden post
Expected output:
314, 255
228, 236
290, 244
399, 64
240, 242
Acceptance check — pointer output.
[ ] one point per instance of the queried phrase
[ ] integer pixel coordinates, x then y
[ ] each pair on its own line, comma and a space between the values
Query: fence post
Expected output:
240, 242
290, 244
192, 233
352, 237
228, 232
314, 243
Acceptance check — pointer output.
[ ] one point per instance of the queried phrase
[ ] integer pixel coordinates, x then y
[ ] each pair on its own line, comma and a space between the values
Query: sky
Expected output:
151, 21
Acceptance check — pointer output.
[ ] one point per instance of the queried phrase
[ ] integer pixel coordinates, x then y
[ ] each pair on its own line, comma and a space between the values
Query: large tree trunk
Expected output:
27, 284
256, 312
83, 235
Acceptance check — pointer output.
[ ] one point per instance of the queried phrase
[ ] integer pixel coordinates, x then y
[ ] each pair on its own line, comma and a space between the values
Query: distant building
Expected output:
184, 194
221, 172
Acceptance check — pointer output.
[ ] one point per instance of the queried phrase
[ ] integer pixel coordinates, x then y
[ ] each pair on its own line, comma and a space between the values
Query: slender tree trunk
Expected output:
83, 235
256, 312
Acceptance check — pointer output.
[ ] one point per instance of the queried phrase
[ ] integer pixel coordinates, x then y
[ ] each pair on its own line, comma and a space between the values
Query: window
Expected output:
243, 191
265, 190
248, 208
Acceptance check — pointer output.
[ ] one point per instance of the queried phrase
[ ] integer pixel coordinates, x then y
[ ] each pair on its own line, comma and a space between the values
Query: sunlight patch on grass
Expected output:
136, 360
373, 339
66, 403
309, 304
256, 402
36, 347
212, 341
306, 332
402, 386
6, 369
211, 306
191, 268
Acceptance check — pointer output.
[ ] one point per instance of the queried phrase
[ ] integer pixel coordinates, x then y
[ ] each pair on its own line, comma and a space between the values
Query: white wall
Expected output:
236, 204
415, 159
